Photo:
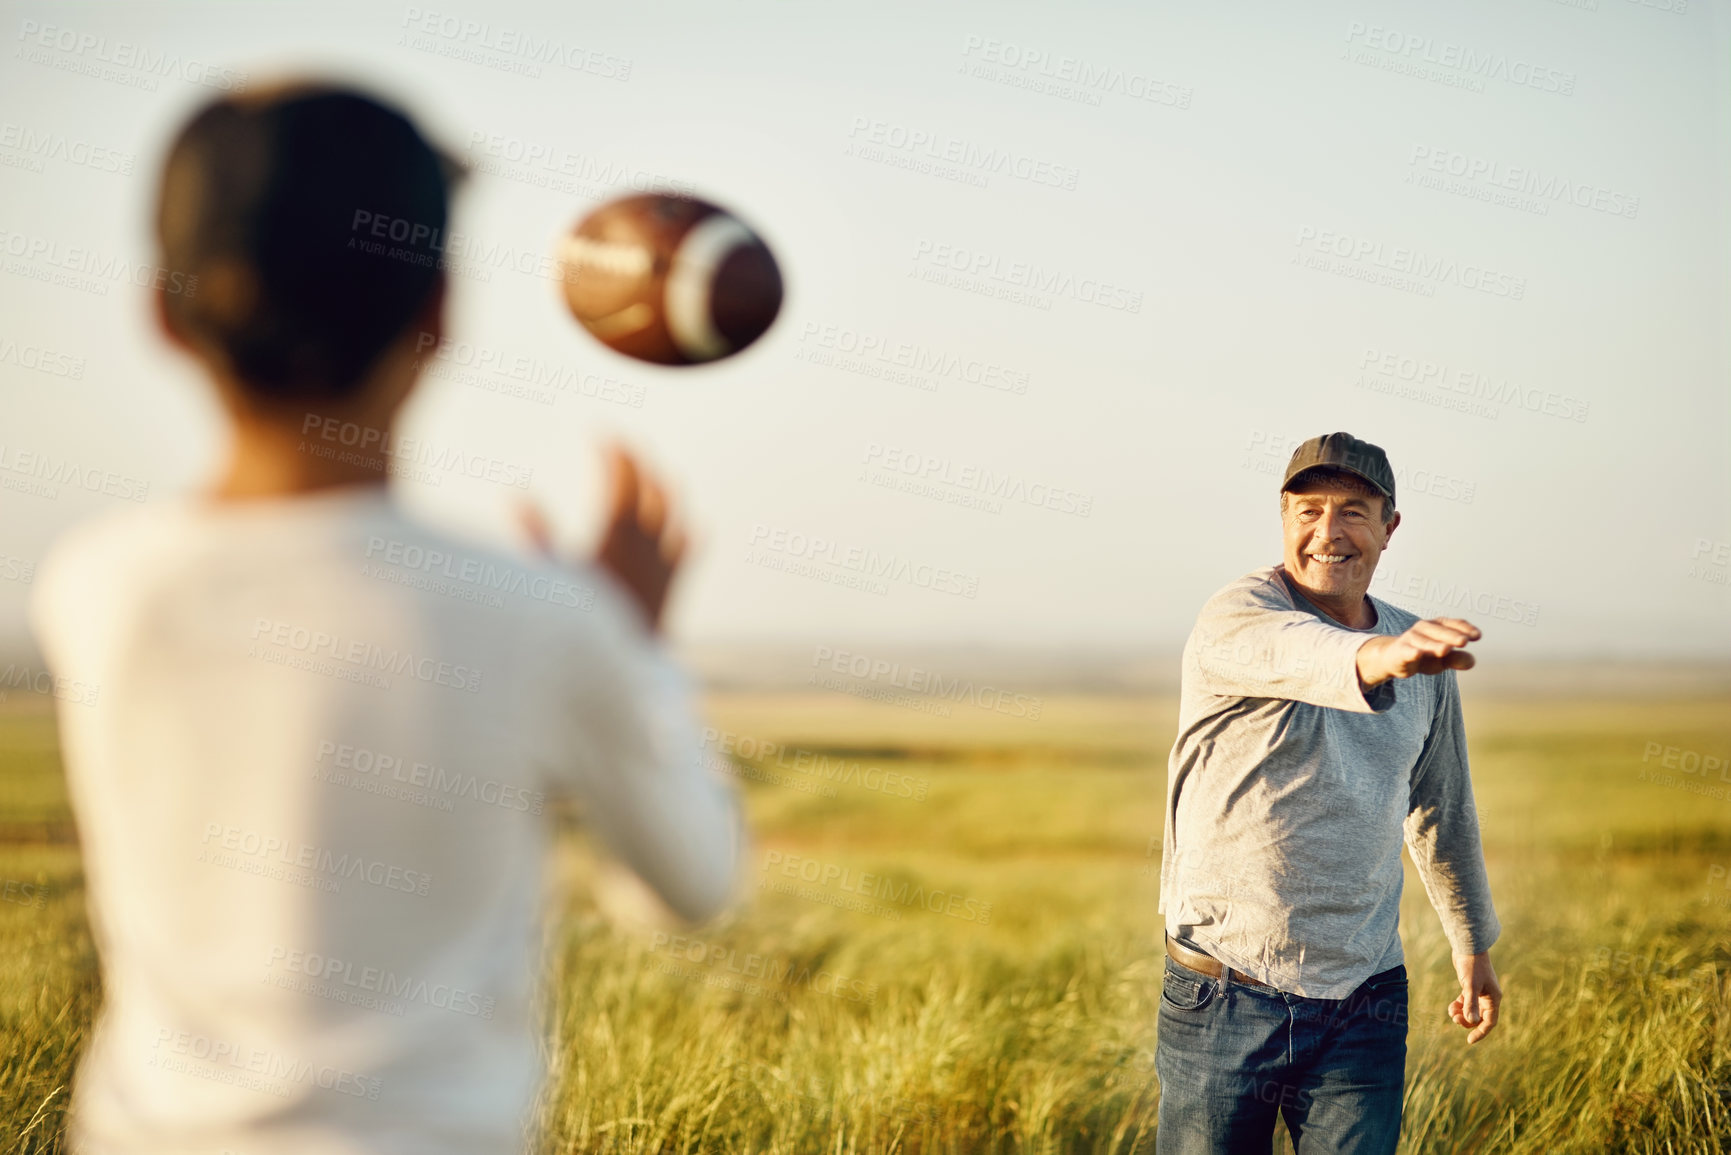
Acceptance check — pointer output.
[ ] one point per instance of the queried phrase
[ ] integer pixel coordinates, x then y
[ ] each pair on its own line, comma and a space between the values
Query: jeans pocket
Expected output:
1387, 983
1183, 991
1383, 999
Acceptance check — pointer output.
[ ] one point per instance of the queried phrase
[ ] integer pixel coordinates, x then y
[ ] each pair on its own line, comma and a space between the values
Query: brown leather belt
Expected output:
1208, 965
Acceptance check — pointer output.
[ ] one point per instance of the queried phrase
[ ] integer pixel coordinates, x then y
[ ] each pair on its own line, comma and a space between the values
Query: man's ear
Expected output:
1392, 526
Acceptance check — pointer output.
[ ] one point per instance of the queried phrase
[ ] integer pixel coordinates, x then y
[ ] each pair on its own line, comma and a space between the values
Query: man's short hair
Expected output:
1340, 478
260, 199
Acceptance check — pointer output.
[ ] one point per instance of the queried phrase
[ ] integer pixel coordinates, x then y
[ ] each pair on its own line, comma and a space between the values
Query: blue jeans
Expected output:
1233, 1058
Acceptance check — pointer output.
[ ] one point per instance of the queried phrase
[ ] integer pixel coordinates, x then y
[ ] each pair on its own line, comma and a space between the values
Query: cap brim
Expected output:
1370, 481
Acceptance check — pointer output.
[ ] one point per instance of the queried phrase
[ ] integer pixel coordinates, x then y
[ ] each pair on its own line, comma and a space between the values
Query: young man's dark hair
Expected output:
271, 199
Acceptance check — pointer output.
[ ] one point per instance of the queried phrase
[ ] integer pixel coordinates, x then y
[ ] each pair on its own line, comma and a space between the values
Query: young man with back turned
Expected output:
310, 794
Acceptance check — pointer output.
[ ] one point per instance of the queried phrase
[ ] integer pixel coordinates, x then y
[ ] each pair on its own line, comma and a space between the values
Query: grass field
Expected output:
1004, 999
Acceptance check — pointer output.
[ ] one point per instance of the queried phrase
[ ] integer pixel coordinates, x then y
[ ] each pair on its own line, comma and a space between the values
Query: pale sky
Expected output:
1542, 186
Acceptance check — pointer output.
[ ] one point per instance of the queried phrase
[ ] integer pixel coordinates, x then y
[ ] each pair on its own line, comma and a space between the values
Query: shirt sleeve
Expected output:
632, 753
67, 608
1442, 830
1252, 641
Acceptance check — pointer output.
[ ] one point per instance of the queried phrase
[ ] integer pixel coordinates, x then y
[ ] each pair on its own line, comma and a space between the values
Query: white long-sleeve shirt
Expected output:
309, 759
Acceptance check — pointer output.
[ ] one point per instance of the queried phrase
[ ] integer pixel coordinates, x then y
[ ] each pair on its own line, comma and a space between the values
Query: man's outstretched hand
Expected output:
1429, 647
640, 544
1481, 997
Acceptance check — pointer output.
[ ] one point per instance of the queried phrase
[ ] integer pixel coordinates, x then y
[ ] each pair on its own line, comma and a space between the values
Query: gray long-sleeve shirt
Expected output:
1289, 791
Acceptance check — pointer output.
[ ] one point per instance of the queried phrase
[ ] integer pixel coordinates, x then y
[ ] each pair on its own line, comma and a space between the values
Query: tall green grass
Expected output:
795, 1025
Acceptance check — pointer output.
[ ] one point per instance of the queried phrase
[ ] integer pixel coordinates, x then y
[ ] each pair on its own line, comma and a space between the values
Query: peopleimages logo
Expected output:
1687, 761
363, 765
1676, 767
761, 753
875, 886
465, 39
84, 269
361, 656
1438, 375
412, 451
876, 355
237, 847
1708, 563
255, 1068
557, 167
928, 683
480, 572
43, 474
868, 564
881, 140
1432, 593
1522, 179
34, 147
41, 359
16, 890
489, 369
782, 971
976, 479
1470, 63
935, 261
1268, 453
105, 59
39, 681
343, 981
1409, 265
1064, 76
418, 243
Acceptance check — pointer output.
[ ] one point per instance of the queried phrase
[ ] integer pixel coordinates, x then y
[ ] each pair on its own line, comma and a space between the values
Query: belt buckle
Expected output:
1226, 972
1178, 949
1243, 979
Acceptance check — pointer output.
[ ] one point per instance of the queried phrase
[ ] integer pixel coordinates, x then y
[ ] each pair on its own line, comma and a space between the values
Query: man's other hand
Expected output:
1481, 997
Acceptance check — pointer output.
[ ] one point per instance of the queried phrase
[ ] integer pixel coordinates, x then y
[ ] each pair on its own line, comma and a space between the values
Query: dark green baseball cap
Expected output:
1343, 451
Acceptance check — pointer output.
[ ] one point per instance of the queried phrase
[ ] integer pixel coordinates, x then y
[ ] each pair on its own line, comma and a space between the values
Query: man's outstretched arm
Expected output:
1252, 640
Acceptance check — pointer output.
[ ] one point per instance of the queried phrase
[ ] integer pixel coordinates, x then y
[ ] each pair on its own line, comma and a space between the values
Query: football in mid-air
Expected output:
669, 279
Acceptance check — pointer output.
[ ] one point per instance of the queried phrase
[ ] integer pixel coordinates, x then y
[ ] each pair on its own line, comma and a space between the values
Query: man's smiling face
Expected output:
1334, 535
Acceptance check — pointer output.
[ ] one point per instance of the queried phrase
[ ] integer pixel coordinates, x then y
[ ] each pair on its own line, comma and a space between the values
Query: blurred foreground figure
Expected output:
311, 788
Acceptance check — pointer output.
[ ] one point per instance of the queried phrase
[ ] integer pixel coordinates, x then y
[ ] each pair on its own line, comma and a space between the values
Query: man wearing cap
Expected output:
1319, 728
